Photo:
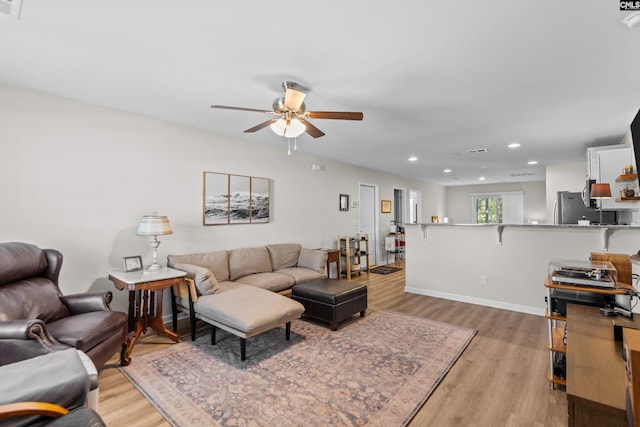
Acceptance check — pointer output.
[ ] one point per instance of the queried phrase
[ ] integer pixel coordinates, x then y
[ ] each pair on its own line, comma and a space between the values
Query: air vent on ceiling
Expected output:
477, 150
522, 173
11, 7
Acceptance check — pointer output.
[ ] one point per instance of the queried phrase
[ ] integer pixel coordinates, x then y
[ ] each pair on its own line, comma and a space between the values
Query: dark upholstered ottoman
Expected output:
331, 300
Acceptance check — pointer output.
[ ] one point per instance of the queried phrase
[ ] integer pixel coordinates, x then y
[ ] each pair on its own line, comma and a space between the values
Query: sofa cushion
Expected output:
85, 331
216, 262
274, 282
204, 279
301, 275
284, 255
248, 309
245, 261
315, 259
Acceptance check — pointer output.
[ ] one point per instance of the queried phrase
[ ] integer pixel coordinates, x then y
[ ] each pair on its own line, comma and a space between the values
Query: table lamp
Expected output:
154, 225
600, 191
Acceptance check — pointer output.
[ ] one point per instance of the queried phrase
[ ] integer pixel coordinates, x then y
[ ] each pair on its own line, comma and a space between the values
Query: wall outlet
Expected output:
483, 279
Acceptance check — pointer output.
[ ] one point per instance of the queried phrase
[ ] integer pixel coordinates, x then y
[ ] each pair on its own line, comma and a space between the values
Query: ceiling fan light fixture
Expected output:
293, 99
288, 128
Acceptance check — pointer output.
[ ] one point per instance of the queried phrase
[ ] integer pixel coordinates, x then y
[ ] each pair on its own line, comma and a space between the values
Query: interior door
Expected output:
368, 219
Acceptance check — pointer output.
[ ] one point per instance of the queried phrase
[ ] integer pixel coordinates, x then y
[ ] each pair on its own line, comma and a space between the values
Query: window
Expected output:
488, 210
498, 208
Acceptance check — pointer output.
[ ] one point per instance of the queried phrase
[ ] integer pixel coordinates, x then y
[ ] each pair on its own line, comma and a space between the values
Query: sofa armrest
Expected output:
59, 378
24, 339
87, 302
22, 329
188, 289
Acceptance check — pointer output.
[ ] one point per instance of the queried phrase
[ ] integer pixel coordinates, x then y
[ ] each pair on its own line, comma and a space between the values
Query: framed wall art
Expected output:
235, 199
385, 206
344, 202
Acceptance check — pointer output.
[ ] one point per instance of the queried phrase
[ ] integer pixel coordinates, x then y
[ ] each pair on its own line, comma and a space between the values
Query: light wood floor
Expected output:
500, 379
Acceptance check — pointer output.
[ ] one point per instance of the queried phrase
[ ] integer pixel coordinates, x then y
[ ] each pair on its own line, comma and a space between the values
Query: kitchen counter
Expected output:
502, 265
604, 229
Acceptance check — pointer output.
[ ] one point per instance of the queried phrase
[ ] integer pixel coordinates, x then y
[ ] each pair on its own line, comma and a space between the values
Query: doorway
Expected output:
369, 218
398, 205
415, 206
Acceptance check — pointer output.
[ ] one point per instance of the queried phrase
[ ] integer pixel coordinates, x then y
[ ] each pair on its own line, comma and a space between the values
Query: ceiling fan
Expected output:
291, 114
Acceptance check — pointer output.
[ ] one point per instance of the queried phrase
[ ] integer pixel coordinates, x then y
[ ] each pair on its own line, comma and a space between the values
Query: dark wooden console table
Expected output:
595, 369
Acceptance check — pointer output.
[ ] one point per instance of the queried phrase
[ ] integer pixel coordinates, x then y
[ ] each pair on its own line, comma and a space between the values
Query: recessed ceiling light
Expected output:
514, 145
413, 159
532, 162
482, 178
447, 171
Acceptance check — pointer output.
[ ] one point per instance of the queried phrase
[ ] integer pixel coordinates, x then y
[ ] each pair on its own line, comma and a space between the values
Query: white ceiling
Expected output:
433, 78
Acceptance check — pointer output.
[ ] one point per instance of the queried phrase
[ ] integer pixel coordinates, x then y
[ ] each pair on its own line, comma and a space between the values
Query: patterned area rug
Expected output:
383, 269
374, 371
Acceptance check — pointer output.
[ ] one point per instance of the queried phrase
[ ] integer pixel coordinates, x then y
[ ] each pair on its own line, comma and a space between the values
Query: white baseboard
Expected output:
478, 301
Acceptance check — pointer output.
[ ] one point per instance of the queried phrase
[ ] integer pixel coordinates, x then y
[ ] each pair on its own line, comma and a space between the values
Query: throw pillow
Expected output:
203, 277
284, 255
314, 259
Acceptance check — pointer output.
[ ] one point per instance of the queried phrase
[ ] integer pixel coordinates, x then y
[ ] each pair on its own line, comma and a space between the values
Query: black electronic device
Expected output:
587, 200
635, 139
560, 365
561, 297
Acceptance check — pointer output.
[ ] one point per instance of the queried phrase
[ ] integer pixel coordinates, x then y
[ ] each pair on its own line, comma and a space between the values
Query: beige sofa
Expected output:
242, 290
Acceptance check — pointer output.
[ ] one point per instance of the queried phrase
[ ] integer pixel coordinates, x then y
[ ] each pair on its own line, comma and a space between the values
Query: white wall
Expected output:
459, 201
78, 178
450, 261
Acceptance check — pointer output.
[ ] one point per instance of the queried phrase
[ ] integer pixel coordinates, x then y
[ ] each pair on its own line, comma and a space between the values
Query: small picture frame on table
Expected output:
132, 263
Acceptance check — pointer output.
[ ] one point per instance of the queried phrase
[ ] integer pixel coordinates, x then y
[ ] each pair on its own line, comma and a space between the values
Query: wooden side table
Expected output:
145, 311
333, 256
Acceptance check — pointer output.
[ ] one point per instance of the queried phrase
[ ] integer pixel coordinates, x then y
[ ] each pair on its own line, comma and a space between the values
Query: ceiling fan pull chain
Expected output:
295, 144
289, 147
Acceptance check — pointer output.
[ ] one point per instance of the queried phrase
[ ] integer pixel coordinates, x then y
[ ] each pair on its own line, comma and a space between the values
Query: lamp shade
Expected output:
288, 128
600, 191
154, 225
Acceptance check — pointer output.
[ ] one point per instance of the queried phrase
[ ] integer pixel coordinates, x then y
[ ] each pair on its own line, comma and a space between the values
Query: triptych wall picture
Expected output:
235, 199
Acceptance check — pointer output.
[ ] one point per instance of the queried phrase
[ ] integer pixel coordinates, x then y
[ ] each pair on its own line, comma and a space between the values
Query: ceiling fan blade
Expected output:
311, 129
293, 99
338, 115
261, 125
226, 107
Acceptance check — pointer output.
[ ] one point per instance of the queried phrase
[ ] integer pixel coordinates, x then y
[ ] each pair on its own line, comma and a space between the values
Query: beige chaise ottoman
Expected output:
245, 311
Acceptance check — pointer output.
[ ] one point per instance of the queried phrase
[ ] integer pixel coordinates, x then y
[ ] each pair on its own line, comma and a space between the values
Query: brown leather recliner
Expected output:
35, 318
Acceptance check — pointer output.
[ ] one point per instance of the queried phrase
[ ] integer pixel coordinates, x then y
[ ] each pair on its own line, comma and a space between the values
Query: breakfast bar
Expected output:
502, 265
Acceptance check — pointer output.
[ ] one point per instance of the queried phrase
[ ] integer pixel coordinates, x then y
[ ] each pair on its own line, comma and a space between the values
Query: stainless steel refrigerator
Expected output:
571, 208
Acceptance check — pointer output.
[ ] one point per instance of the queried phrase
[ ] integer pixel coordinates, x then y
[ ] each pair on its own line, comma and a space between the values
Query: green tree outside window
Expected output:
489, 210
